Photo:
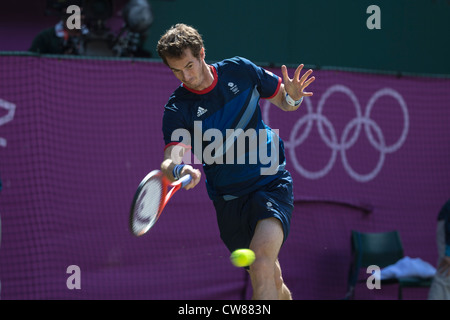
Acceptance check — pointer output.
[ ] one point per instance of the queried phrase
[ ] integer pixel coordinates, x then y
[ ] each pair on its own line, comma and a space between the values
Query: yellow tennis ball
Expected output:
242, 257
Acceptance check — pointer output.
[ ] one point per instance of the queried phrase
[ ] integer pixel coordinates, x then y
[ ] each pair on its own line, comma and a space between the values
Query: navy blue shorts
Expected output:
237, 218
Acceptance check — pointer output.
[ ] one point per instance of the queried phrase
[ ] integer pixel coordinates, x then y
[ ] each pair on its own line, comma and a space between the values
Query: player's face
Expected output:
189, 69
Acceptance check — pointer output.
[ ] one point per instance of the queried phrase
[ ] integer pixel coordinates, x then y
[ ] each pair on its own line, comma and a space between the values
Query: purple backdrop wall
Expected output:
368, 152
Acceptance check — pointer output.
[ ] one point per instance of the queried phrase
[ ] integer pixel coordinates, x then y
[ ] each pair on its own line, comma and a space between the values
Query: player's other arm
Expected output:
173, 156
294, 87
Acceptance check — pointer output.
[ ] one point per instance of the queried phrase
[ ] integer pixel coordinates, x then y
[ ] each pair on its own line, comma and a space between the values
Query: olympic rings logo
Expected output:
346, 140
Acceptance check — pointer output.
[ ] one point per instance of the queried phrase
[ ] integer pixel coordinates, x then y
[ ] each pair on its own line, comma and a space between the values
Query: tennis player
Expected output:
253, 207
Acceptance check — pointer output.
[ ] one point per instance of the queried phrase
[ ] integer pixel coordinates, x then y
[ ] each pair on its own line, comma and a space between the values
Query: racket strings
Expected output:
147, 206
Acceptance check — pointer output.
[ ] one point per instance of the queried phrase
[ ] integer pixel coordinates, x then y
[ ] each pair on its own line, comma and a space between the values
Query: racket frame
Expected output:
165, 196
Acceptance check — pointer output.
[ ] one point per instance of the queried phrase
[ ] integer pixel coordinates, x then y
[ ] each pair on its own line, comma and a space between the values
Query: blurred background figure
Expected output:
138, 18
440, 288
95, 37
59, 39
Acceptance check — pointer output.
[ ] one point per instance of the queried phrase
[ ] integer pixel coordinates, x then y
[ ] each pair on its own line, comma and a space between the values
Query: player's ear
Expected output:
202, 53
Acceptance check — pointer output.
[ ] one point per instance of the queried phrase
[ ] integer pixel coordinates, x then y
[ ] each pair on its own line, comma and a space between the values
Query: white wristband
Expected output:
293, 102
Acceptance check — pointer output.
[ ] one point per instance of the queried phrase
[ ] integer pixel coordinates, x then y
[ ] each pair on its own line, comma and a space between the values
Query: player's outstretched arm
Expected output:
292, 91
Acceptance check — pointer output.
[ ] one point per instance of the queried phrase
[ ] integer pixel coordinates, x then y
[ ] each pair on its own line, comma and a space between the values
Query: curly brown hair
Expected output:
178, 38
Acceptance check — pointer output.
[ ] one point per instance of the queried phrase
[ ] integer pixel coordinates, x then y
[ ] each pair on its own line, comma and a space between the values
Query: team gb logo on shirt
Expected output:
233, 87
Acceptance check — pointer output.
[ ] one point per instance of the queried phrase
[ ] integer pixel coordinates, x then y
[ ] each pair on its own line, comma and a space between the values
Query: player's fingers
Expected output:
308, 82
196, 176
284, 74
306, 75
297, 72
191, 184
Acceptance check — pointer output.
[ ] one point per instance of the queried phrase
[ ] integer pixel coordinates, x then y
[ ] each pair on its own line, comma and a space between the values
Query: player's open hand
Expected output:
295, 87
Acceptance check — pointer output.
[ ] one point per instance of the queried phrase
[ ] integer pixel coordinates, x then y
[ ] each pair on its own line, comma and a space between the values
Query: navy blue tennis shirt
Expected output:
223, 126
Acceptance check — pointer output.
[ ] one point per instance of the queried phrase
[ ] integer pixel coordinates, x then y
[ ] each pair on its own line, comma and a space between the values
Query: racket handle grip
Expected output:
184, 180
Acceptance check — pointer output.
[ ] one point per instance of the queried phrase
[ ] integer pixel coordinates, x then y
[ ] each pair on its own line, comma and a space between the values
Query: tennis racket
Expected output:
150, 199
